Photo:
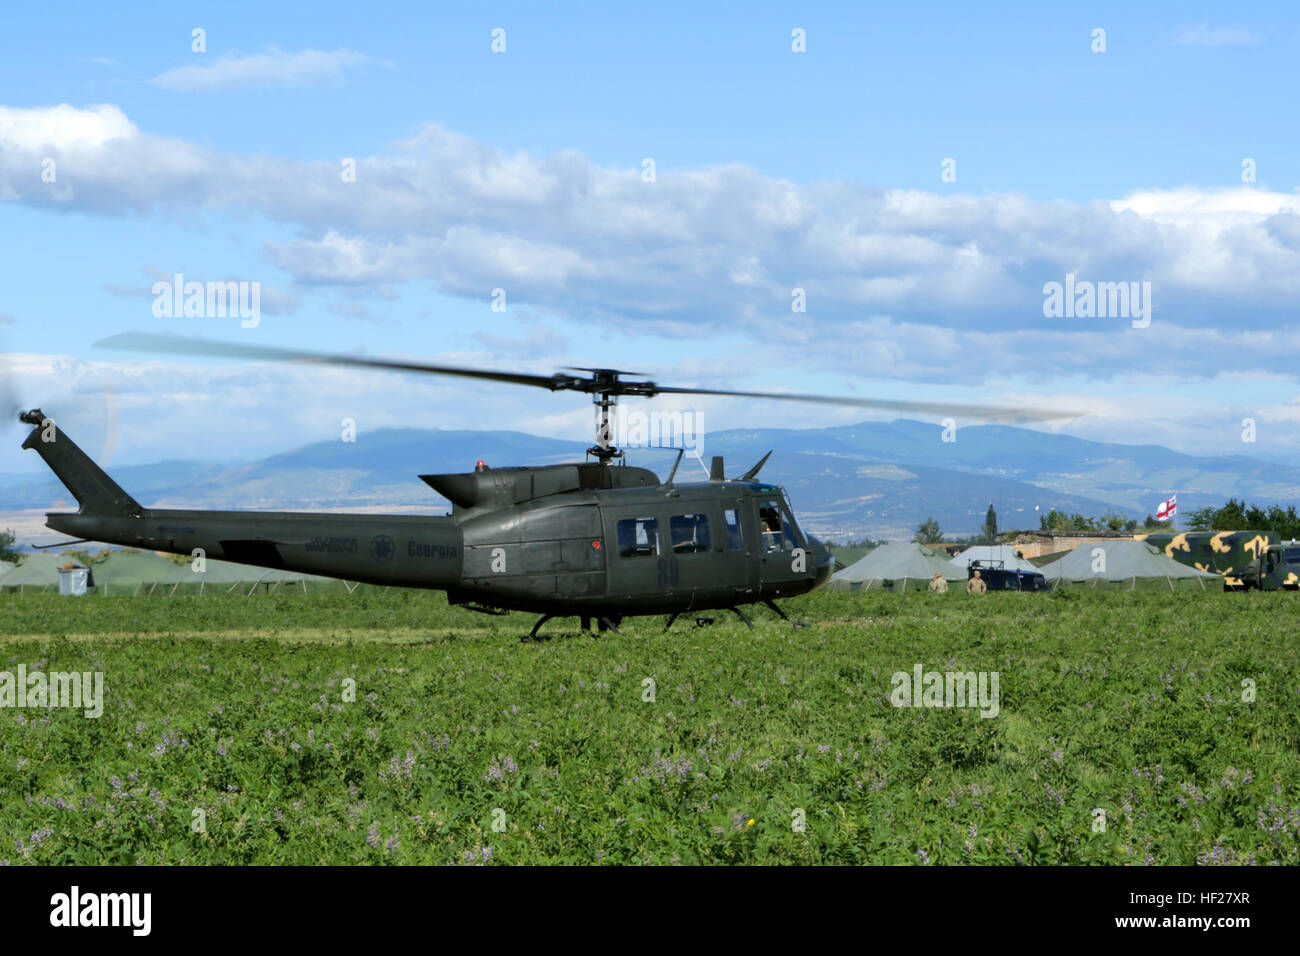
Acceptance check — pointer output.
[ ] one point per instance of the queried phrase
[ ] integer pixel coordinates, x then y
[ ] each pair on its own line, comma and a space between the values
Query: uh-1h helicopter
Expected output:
599, 540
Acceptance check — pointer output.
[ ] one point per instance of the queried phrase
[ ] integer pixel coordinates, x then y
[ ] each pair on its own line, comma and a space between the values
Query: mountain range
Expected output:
877, 479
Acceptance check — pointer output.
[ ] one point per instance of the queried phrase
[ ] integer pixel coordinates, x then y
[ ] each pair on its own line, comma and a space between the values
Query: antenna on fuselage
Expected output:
673, 473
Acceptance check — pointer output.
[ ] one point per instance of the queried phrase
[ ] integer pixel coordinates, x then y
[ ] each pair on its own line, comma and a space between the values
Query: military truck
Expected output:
1246, 559
998, 577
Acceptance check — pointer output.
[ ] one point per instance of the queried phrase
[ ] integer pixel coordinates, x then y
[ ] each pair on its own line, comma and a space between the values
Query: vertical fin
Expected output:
96, 492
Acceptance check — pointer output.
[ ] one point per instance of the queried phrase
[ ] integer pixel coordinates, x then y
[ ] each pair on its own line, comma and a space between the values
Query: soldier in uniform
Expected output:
976, 584
938, 585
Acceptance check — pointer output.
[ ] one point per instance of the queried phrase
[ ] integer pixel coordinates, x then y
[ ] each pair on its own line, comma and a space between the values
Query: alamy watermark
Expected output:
74, 689
130, 910
176, 298
1082, 299
922, 688
640, 429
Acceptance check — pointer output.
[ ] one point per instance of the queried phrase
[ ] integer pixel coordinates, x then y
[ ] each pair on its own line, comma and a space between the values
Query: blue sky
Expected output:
774, 170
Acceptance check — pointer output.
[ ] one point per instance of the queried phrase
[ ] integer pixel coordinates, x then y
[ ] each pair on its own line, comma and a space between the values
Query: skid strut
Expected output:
772, 604
741, 614
532, 635
602, 624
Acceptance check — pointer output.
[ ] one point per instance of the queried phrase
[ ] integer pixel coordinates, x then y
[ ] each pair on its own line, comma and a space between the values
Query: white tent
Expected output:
990, 555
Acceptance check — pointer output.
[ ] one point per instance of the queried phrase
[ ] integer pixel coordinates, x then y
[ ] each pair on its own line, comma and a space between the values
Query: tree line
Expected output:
928, 531
1238, 516
1060, 522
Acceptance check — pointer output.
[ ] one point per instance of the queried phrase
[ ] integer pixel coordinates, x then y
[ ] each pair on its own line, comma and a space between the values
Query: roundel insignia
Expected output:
382, 547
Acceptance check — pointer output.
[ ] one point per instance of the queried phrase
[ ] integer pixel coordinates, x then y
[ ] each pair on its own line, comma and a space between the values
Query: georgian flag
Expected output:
1167, 509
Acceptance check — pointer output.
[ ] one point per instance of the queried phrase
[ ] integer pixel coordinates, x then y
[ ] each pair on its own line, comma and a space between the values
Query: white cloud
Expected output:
905, 283
1212, 210
274, 68
63, 127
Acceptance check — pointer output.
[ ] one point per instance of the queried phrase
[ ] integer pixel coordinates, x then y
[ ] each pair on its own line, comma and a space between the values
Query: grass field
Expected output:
228, 734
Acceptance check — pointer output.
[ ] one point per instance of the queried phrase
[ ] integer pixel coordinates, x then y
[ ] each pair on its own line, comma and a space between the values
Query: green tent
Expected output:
898, 566
217, 577
136, 572
1128, 565
228, 577
36, 572
147, 572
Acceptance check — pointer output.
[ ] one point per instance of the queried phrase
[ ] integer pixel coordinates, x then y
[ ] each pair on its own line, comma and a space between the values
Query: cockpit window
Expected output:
778, 530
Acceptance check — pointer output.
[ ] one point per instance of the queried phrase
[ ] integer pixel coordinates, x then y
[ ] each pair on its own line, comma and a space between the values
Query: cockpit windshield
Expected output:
776, 524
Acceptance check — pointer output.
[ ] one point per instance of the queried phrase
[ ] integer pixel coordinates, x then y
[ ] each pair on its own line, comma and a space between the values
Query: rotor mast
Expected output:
604, 450
605, 387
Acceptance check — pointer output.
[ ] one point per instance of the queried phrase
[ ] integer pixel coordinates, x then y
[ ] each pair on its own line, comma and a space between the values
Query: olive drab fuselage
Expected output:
641, 550
591, 539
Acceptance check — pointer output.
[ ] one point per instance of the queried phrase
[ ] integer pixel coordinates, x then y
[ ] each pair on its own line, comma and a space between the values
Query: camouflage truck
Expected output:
1246, 559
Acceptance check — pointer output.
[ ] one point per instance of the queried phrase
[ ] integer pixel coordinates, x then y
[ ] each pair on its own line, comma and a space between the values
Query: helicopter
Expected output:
600, 540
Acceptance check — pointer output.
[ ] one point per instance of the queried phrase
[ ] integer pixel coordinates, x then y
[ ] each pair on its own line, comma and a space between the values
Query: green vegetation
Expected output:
1127, 702
851, 551
1238, 516
1060, 522
927, 532
989, 532
7, 550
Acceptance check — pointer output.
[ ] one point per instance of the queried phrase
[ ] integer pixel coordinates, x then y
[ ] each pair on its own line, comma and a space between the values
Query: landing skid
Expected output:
602, 623
705, 621
741, 614
783, 615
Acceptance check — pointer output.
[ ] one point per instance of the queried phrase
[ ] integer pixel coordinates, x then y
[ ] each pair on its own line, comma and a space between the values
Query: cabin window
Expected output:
638, 537
690, 533
776, 528
735, 539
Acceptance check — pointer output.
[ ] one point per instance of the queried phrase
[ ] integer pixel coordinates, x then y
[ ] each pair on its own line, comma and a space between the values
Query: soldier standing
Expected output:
976, 584
938, 585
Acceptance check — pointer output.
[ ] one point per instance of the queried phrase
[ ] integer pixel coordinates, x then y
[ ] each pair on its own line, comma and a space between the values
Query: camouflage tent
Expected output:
1125, 564
896, 566
993, 554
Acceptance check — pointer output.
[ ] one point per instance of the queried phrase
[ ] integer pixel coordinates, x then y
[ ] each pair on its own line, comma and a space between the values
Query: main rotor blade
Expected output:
180, 345
602, 382
991, 412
